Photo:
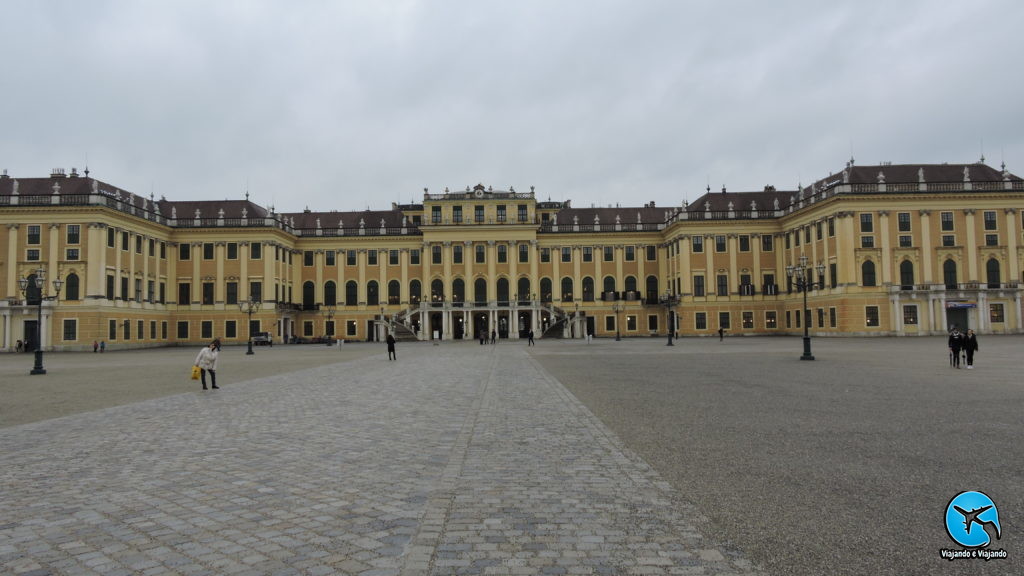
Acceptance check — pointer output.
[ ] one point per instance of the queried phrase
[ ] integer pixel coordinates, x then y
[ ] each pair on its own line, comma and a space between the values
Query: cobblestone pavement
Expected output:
454, 460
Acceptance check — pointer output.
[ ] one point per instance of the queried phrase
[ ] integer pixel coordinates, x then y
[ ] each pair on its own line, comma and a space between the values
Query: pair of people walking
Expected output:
960, 342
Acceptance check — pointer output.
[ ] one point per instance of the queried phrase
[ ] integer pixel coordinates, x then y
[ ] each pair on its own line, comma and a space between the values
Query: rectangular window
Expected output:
140, 329
206, 329
32, 254
652, 253
184, 251
112, 330
817, 231
831, 227
350, 257
723, 284
789, 319
435, 218
138, 244
392, 257
609, 323
457, 214
566, 254
723, 320
501, 213
995, 313
152, 247
524, 253
906, 241
110, 237
903, 221
255, 251
256, 291
766, 243
207, 293
307, 328
821, 317
991, 239
770, 319
207, 250
609, 254
867, 223
478, 213
946, 219
231, 293
787, 240
481, 255
74, 234
152, 329
126, 329
796, 238
630, 253
652, 323
435, 254
832, 317
867, 241
588, 254
371, 258
698, 244
630, 323
150, 290
71, 254
833, 274
698, 285
110, 287
457, 254
231, 329
744, 243
700, 321
720, 243
350, 327
138, 289
70, 329
124, 241
522, 212
910, 315
307, 258
545, 255
330, 258
414, 257
871, 315
990, 220
807, 234
124, 288
502, 254
948, 240
748, 320
232, 251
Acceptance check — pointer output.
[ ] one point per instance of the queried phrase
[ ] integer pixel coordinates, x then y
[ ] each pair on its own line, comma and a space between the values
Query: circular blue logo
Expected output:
972, 520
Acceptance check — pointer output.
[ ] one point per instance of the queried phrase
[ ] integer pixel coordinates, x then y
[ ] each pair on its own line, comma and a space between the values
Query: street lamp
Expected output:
616, 308
669, 300
328, 313
802, 275
248, 307
40, 284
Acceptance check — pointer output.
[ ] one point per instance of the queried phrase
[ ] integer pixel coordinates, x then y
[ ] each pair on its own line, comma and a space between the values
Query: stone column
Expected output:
974, 273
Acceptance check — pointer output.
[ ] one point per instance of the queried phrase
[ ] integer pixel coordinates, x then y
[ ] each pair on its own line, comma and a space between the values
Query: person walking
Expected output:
483, 337
103, 346
95, 346
530, 341
494, 336
207, 362
391, 347
970, 347
956, 343
721, 333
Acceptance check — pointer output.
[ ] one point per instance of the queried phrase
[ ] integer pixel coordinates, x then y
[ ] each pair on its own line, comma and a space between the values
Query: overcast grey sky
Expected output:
349, 105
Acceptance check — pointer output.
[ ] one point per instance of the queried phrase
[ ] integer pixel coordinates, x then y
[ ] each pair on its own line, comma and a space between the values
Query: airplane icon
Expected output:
972, 517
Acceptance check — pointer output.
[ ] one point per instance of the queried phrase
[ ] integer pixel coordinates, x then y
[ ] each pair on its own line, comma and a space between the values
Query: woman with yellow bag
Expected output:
206, 361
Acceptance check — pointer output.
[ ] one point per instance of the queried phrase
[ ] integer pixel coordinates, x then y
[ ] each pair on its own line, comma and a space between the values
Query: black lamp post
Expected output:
40, 284
616, 308
248, 307
802, 276
328, 313
670, 300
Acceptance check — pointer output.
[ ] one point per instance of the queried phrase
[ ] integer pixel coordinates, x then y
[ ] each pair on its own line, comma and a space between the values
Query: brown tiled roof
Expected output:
212, 208
912, 173
719, 201
370, 218
626, 214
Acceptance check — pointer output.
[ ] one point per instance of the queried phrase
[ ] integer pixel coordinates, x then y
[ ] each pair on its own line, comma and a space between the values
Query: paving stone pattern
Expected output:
454, 460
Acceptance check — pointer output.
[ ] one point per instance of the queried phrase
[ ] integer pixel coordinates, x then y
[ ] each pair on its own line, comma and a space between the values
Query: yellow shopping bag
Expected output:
195, 372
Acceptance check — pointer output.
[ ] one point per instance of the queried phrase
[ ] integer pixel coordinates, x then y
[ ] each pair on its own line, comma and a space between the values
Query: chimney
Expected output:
57, 173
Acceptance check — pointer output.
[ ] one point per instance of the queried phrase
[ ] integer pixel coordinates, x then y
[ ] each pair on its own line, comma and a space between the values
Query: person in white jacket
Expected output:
207, 362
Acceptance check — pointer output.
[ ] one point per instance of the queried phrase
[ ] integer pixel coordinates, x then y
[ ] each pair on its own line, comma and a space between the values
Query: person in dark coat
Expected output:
494, 336
530, 342
391, 347
970, 347
956, 344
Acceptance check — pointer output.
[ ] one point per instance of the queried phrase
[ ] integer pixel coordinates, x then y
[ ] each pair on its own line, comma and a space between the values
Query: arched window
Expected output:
566, 289
906, 275
992, 273
545, 289
372, 293
308, 296
480, 291
415, 292
458, 290
351, 293
71, 287
437, 291
867, 273
394, 292
330, 293
523, 286
33, 294
949, 274
609, 284
503, 291
630, 283
588, 289
652, 289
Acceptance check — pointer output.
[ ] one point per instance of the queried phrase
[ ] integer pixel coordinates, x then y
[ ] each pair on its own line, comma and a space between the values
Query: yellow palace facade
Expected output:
884, 250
